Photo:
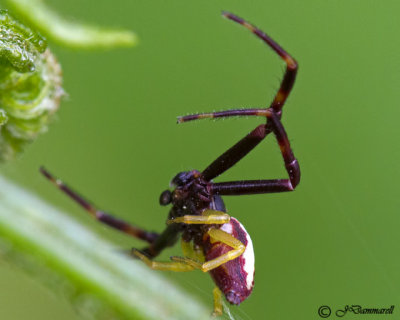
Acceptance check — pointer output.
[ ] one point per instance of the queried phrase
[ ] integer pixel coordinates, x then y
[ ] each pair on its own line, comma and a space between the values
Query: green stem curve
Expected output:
70, 34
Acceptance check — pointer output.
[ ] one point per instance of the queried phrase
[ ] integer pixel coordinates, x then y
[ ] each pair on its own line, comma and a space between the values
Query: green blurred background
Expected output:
334, 241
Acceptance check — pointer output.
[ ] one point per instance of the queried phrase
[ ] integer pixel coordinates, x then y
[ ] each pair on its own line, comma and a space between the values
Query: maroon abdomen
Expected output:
234, 278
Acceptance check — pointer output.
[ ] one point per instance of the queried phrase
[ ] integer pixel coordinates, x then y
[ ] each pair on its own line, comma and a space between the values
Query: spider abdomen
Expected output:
234, 278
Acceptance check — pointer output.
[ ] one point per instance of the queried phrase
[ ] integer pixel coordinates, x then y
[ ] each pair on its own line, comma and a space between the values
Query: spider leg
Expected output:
244, 146
207, 217
188, 249
221, 236
103, 217
233, 155
284, 89
165, 266
259, 112
291, 64
266, 186
166, 239
217, 294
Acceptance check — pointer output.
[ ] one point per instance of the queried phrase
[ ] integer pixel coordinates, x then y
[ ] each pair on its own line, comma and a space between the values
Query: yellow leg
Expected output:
208, 217
217, 302
189, 261
166, 266
216, 235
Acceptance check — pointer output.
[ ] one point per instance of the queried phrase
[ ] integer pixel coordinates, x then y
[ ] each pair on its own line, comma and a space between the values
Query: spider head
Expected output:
181, 182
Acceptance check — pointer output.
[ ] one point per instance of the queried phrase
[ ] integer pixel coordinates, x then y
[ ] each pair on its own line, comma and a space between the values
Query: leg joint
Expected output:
293, 169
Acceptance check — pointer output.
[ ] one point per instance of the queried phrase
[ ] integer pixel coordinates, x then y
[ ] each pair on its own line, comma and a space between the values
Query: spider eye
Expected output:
165, 198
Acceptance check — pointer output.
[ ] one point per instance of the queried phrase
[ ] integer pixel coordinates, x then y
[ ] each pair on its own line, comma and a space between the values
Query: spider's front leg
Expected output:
291, 64
284, 89
244, 146
233, 155
207, 217
266, 186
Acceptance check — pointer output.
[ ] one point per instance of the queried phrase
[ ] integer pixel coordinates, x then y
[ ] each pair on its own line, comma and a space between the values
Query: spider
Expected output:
211, 240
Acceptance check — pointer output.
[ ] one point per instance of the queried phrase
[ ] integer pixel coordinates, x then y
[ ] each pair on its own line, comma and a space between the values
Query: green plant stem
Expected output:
65, 254
70, 34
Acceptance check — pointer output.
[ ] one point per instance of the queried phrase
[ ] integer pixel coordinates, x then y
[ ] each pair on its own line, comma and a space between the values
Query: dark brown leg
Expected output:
244, 146
150, 237
166, 239
291, 69
235, 188
235, 154
286, 84
225, 114
263, 186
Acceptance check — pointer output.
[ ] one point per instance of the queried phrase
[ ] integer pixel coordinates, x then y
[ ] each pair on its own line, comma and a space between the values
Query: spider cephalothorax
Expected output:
191, 194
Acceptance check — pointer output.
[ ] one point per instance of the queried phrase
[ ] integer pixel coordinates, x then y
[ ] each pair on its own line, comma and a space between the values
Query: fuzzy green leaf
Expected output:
30, 86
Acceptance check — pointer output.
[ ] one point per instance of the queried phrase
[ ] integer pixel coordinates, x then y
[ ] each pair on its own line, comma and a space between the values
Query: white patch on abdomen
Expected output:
248, 254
